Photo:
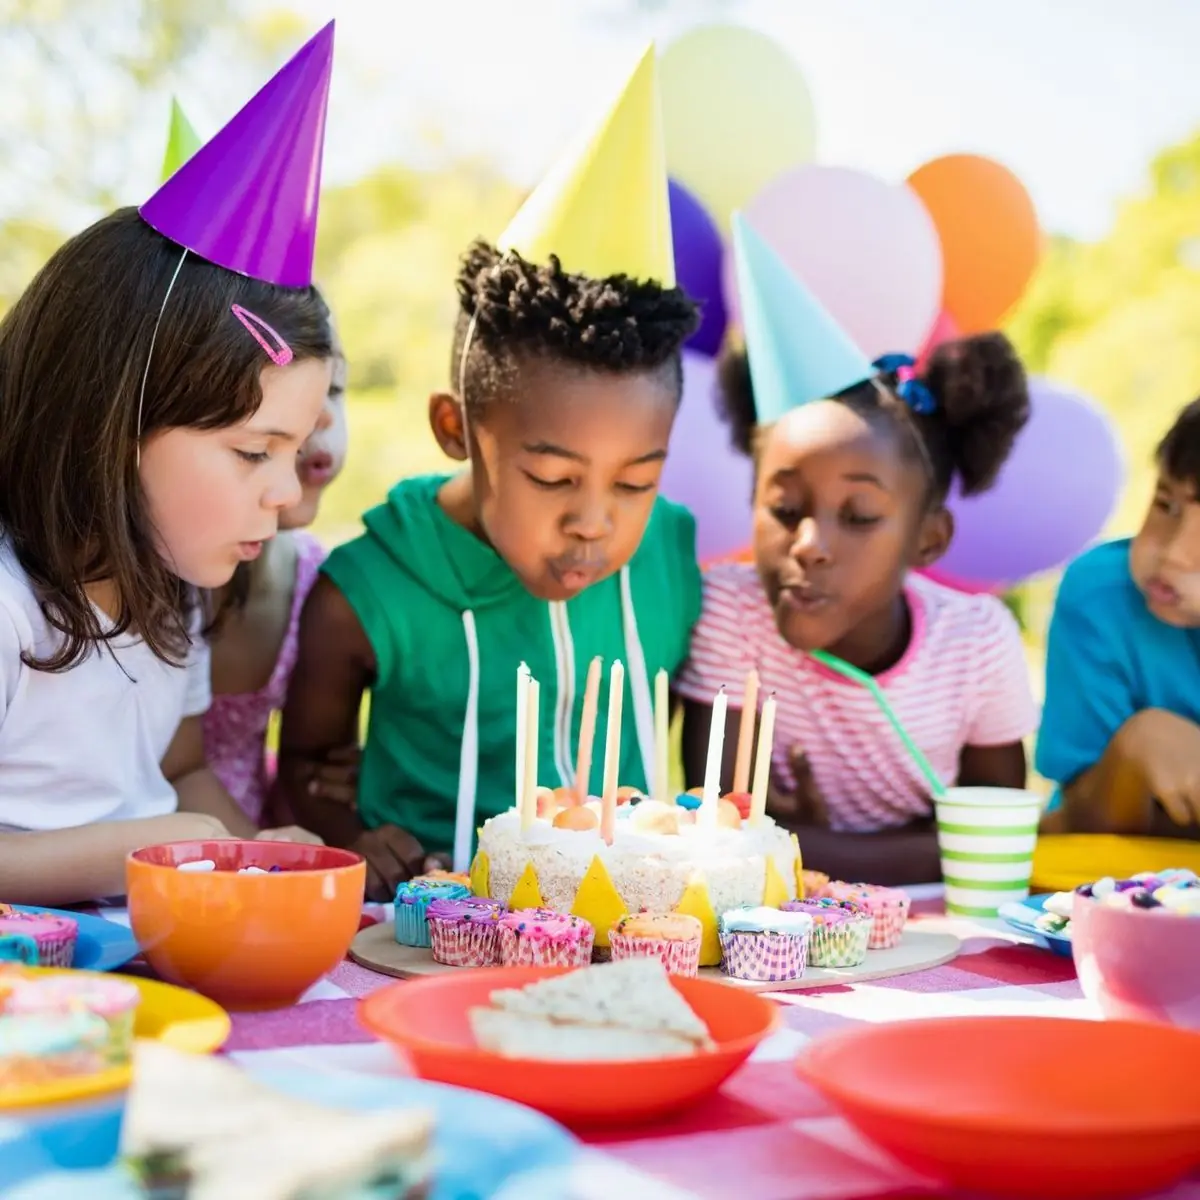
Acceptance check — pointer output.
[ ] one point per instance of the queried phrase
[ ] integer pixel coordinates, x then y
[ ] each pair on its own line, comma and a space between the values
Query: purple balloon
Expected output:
698, 255
703, 470
1052, 499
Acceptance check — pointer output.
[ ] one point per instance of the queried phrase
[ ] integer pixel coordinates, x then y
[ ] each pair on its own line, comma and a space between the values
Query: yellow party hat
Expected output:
603, 207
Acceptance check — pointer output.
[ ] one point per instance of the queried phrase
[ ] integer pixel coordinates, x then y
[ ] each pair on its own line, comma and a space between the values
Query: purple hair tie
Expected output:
281, 353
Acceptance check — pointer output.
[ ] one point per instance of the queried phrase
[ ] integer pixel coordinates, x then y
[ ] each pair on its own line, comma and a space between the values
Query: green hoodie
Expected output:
450, 623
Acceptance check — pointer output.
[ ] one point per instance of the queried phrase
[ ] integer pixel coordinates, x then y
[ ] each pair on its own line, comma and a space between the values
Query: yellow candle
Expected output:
706, 818
587, 730
741, 769
522, 707
662, 725
762, 764
530, 784
612, 753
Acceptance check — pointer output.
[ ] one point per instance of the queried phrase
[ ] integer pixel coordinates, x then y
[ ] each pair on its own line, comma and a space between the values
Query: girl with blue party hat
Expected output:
157, 378
854, 463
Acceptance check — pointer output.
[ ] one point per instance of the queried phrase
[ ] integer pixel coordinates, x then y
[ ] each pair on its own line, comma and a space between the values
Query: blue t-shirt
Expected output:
1107, 658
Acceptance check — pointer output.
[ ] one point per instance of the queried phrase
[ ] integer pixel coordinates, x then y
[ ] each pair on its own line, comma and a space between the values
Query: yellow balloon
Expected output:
736, 112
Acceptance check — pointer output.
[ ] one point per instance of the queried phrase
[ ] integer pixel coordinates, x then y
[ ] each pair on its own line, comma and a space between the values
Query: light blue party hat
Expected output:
797, 351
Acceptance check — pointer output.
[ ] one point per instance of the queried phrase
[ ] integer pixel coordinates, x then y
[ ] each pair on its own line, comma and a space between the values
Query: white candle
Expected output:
741, 769
522, 706
612, 753
762, 764
530, 786
662, 728
587, 730
707, 817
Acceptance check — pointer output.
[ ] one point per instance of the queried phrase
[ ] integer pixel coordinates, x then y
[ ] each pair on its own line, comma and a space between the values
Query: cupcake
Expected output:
55, 935
113, 1000
440, 876
841, 931
888, 908
533, 937
764, 944
465, 932
673, 938
36, 1050
814, 883
17, 948
412, 902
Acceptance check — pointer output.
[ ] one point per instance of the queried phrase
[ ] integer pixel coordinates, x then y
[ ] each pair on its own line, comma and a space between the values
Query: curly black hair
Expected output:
981, 403
519, 308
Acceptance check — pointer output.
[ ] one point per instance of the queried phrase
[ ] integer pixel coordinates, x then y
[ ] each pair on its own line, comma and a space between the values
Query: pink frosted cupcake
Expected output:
465, 932
55, 936
539, 938
115, 1000
673, 938
888, 908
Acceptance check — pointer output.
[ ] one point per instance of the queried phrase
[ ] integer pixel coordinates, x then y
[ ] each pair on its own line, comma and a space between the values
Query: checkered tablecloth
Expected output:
766, 1135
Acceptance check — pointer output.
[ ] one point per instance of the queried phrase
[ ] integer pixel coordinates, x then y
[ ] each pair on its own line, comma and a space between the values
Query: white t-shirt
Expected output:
85, 744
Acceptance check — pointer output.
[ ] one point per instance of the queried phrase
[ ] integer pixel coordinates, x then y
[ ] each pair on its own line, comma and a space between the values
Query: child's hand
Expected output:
1167, 747
289, 833
392, 855
336, 778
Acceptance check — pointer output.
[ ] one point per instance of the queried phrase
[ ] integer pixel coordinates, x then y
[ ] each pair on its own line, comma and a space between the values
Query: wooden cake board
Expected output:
376, 949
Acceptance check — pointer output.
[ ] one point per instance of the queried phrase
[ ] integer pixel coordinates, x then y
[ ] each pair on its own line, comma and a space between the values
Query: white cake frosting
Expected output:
649, 870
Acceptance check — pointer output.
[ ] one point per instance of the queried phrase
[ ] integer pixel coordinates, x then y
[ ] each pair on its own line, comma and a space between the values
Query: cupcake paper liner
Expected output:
888, 923
520, 948
678, 956
411, 927
841, 945
465, 943
764, 957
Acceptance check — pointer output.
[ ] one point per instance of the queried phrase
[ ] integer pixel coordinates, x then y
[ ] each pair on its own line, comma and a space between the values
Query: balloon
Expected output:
698, 255
989, 233
703, 471
959, 585
866, 249
1053, 496
736, 112
944, 330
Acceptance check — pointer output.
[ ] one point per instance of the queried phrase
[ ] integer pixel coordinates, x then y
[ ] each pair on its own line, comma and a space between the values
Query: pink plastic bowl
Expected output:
1138, 964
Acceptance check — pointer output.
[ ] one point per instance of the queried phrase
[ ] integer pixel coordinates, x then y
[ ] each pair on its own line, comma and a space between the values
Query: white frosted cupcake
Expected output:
764, 944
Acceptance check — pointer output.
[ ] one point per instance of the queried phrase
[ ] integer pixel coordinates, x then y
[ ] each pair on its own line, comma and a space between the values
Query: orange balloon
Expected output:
989, 232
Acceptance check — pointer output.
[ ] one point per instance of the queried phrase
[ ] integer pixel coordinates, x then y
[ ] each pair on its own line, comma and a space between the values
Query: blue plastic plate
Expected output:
481, 1142
102, 946
1022, 916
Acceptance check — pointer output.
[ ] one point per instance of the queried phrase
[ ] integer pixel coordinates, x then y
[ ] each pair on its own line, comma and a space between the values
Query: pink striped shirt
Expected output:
962, 681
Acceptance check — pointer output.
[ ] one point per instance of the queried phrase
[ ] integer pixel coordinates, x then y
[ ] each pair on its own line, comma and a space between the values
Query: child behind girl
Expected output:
1121, 726
152, 405
254, 637
850, 498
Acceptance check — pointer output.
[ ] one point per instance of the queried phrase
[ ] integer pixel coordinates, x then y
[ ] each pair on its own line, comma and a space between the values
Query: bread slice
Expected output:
523, 1035
633, 994
201, 1128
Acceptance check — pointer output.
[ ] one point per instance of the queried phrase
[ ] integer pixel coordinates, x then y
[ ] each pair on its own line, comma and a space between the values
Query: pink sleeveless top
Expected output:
235, 727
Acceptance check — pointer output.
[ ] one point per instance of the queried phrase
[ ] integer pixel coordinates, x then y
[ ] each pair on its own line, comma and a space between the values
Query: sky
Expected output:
1076, 96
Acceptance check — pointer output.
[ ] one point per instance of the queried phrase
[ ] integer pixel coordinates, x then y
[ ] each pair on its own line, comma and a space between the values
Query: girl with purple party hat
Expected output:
157, 379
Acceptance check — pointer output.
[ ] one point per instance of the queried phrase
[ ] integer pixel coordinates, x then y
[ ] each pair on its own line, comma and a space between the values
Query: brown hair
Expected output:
73, 350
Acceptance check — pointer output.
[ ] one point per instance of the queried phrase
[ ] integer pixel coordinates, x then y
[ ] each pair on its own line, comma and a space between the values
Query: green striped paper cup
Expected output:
986, 837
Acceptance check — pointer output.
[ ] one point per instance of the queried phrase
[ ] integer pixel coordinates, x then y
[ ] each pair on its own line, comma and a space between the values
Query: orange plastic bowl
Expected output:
1021, 1106
246, 941
426, 1021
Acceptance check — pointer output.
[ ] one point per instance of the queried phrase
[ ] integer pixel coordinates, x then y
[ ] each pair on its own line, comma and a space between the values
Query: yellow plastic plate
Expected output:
1062, 862
168, 1014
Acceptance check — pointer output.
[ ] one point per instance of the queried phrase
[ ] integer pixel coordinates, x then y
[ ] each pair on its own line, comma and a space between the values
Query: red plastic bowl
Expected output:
1138, 965
426, 1021
246, 941
1033, 1107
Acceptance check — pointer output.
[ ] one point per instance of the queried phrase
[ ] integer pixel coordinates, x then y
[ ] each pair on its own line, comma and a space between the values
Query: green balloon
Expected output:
182, 141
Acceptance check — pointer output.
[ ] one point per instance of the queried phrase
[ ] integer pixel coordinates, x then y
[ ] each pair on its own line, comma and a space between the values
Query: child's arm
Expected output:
72, 866
993, 766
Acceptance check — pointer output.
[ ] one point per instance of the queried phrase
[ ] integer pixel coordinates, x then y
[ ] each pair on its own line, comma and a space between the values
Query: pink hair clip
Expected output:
281, 353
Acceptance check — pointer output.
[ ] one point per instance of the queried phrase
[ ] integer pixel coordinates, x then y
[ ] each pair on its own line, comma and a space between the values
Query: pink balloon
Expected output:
867, 249
944, 330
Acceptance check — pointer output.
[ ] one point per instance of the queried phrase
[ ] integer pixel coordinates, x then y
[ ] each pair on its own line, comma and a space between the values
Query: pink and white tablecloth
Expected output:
766, 1135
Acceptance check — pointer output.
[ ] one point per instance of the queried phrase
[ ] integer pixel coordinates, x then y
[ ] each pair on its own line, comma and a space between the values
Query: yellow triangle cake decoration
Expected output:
775, 892
481, 878
528, 892
695, 902
598, 902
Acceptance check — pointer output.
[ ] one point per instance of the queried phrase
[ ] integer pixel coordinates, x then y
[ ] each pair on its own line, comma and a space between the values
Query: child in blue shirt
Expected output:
1120, 733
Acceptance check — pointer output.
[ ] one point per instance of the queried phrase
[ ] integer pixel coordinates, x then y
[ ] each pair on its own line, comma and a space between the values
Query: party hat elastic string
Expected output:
162, 308
936, 787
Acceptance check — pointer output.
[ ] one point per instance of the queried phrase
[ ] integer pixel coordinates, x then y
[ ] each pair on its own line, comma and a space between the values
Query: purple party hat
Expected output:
247, 199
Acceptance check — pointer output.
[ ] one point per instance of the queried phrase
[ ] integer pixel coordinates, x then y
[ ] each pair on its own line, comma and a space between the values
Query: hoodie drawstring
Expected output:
639, 680
468, 760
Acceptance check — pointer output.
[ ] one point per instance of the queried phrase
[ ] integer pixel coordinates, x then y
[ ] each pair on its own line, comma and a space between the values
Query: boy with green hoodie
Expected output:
550, 548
